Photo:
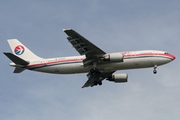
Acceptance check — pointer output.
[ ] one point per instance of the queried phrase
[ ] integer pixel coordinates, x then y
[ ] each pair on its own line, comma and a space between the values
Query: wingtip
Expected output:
64, 30
67, 29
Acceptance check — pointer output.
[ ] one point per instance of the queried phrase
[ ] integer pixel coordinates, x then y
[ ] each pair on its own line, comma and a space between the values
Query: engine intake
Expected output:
114, 57
118, 78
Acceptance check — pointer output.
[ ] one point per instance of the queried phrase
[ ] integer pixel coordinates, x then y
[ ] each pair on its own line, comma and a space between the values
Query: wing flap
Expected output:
90, 82
96, 77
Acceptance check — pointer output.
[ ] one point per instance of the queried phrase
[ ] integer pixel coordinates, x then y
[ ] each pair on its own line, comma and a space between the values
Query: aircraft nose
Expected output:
172, 56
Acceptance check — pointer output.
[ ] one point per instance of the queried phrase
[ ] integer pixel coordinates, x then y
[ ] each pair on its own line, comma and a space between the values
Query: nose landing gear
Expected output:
155, 71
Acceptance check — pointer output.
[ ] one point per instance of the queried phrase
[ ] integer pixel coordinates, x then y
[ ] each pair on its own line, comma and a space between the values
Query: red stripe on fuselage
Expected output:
126, 56
149, 55
51, 63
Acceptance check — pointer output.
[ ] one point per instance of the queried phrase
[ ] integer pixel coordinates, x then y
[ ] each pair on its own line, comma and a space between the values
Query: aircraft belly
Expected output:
160, 60
129, 64
70, 69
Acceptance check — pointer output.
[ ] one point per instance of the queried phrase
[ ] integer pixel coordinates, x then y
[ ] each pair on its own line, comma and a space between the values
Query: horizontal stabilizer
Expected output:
18, 70
16, 59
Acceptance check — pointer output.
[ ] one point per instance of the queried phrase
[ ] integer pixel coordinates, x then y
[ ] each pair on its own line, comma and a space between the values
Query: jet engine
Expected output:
118, 78
114, 57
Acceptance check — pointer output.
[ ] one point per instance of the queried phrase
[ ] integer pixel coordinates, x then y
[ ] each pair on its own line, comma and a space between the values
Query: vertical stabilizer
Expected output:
21, 50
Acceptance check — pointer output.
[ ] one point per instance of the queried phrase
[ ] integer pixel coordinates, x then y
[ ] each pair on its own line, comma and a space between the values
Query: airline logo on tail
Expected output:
18, 50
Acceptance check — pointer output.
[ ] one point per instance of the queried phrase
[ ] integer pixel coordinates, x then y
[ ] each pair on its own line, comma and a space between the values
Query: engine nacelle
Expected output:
118, 78
114, 57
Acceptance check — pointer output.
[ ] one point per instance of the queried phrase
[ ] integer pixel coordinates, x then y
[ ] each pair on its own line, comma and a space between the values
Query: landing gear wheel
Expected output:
94, 71
100, 82
155, 71
95, 83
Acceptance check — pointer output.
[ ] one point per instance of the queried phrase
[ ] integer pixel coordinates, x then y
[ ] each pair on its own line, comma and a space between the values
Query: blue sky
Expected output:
121, 25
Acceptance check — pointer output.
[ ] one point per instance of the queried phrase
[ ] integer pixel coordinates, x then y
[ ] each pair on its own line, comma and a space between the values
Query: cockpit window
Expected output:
166, 53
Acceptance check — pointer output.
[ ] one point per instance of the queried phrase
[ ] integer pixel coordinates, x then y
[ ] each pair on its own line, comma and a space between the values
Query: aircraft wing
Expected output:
90, 81
92, 53
84, 47
93, 78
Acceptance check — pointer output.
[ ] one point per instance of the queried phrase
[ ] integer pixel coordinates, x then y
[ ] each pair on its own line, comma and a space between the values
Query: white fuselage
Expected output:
74, 64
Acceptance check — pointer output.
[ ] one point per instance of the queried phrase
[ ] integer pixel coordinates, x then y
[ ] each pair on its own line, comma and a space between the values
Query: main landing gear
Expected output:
97, 83
155, 71
95, 72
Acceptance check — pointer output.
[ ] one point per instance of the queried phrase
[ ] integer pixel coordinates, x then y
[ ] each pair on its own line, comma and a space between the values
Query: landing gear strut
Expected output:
155, 71
95, 72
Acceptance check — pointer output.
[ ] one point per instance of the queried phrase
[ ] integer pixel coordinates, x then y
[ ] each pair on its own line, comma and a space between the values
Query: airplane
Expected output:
97, 63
